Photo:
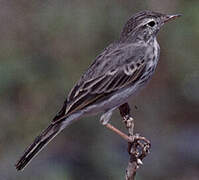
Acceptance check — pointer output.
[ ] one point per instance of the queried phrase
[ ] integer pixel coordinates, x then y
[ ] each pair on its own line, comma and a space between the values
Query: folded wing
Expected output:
96, 90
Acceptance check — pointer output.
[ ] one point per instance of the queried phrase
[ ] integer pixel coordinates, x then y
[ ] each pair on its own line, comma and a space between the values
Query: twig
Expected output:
138, 149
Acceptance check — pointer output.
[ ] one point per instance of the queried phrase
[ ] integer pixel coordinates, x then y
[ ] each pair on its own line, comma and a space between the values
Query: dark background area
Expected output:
45, 46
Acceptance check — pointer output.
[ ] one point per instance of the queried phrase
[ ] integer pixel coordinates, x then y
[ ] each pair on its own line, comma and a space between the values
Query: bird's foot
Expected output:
138, 148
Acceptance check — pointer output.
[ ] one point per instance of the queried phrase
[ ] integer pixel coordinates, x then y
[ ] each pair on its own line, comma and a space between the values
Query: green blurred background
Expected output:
46, 45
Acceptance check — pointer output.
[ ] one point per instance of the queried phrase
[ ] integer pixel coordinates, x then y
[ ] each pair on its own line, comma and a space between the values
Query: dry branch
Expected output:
138, 147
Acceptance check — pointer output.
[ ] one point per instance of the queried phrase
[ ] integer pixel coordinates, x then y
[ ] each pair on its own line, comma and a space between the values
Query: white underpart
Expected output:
155, 45
156, 52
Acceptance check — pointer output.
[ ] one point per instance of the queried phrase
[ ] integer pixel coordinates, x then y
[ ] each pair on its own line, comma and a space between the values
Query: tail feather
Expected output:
39, 143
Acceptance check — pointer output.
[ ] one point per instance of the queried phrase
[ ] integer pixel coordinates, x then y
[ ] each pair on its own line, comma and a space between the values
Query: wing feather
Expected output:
105, 86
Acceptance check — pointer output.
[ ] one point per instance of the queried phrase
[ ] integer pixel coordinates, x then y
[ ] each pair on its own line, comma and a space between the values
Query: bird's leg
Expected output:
105, 121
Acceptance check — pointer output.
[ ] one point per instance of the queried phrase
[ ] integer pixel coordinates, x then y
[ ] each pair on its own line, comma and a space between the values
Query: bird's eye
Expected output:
151, 23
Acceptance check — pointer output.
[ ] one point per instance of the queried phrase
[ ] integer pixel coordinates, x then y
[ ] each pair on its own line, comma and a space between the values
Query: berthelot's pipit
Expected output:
115, 75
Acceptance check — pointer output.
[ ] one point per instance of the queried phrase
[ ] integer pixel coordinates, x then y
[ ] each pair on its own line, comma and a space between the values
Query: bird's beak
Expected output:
171, 17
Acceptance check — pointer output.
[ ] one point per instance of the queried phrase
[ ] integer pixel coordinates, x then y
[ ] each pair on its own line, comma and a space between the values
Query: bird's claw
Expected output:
139, 148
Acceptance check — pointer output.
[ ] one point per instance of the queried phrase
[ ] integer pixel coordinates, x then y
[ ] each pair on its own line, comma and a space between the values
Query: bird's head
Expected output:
144, 25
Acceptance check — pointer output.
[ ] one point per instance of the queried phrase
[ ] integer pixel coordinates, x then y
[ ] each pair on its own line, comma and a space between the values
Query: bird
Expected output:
121, 70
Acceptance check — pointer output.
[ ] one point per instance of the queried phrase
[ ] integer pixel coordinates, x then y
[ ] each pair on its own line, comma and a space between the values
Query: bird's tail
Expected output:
39, 143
